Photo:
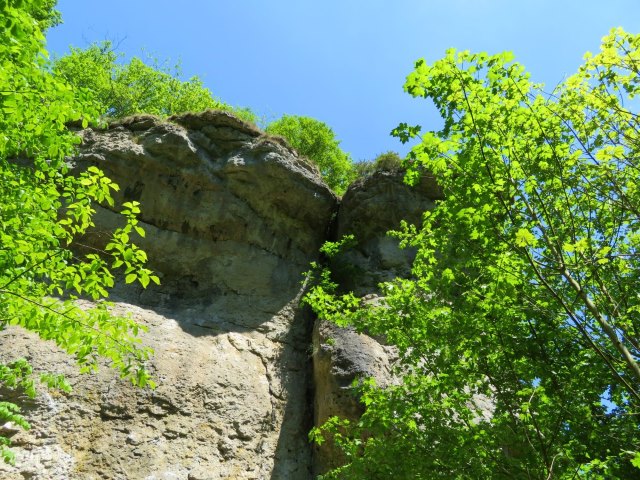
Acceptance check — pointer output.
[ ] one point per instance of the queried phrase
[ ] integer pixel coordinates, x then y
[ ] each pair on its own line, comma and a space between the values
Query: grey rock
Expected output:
342, 357
233, 217
242, 206
232, 220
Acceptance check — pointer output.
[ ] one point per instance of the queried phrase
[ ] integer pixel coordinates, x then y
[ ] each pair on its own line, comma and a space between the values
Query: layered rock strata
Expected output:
233, 219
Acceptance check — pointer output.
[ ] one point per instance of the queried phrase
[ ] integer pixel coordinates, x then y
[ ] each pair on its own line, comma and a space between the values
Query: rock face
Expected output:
340, 357
370, 208
222, 204
233, 218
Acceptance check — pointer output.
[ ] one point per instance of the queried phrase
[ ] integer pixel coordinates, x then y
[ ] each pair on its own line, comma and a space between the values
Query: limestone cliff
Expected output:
233, 218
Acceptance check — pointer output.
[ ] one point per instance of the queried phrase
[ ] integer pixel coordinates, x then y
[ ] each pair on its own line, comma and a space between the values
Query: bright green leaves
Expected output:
16, 374
448, 275
331, 249
44, 210
316, 141
10, 412
406, 132
610, 152
524, 238
126, 254
524, 298
136, 87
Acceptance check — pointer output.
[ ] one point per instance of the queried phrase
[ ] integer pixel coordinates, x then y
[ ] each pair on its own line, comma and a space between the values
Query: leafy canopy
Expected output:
317, 141
519, 332
43, 210
135, 87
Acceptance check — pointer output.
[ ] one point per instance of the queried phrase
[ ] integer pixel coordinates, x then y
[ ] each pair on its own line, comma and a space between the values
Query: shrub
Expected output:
385, 162
135, 87
389, 162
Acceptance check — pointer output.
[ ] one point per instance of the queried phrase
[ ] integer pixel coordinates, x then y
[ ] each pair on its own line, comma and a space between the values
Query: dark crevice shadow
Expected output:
297, 418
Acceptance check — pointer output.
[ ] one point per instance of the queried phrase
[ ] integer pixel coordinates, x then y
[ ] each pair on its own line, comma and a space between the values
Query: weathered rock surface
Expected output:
217, 412
222, 203
371, 207
340, 357
233, 218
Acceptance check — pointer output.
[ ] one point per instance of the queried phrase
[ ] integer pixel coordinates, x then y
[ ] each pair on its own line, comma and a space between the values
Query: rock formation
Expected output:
233, 219
371, 207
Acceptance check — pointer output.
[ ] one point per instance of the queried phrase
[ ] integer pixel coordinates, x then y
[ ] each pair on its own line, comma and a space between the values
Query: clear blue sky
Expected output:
341, 61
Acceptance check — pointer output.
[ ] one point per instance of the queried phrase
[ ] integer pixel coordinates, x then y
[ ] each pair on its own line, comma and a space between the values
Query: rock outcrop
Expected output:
233, 219
371, 207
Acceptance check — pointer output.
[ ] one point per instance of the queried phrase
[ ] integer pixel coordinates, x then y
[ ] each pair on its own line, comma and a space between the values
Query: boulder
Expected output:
370, 208
342, 357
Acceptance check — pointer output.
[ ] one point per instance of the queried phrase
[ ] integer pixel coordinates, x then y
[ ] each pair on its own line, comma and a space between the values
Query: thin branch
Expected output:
66, 315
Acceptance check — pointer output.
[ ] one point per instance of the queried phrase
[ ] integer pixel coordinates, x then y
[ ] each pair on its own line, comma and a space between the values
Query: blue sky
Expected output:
341, 61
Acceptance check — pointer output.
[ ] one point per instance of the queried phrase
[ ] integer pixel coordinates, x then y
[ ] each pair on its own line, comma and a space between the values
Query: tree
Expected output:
135, 87
43, 210
317, 141
519, 332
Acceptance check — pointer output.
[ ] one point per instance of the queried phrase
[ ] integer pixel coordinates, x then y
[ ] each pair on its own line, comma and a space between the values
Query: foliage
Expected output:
519, 331
364, 168
386, 162
43, 210
135, 87
317, 141
44, 13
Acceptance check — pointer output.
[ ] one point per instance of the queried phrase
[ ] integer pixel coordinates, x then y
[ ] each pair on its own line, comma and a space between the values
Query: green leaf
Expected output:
524, 238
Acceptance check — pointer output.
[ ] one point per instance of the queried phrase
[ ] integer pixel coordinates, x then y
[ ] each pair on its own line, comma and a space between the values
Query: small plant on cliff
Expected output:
317, 141
385, 162
43, 210
388, 162
519, 333
135, 87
